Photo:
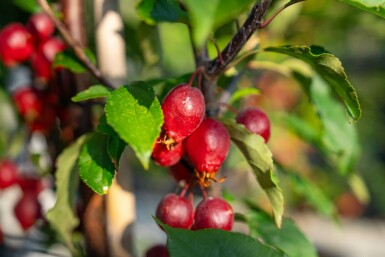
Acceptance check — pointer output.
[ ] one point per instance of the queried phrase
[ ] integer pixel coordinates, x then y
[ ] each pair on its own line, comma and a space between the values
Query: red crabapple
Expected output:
157, 251
207, 147
183, 109
15, 44
40, 26
180, 172
27, 210
167, 157
31, 185
175, 211
8, 174
41, 60
28, 102
256, 121
213, 213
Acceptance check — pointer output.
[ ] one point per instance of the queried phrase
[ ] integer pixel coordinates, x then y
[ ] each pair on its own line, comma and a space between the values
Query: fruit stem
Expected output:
204, 192
230, 108
219, 54
198, 71
185, 188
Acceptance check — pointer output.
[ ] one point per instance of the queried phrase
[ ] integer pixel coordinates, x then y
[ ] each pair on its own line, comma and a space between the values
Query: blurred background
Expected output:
343, 215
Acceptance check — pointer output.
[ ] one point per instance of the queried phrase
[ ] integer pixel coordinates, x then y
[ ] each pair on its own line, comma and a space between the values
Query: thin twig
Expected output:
252, 23
267, 22
74, 44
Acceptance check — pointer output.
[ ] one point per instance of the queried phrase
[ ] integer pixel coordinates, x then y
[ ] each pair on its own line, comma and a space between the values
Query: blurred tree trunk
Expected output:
93, 215
111, 55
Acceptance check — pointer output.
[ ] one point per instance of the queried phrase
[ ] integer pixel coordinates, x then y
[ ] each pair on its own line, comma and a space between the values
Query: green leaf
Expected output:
206, 16
152, 11
30, 6
95, 166
135, 114
313, 194
239, 94
288, 238
374, 6
303, 128
330, 69
68, 60
260, 160
95, 91
339, 140
116, 145
215, 243
62, 216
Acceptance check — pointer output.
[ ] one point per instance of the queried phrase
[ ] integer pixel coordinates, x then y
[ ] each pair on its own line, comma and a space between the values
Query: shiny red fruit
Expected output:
40, 26
28, 102
180, 172
9, 174
157, 251
167, 157
256, 121
214, 213
175, 211
207, 147
16, 44
183, 109
41, 61
27, 210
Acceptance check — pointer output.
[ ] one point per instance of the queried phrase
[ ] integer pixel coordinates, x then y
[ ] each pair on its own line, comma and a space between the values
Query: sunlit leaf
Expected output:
62, 216
288, 238
153, 11
239, 94
215, 243
374, 6
116, 145
135, 114
68, 60
339, 138
95, 91
330, 69
206, 16
95, 166
259, 157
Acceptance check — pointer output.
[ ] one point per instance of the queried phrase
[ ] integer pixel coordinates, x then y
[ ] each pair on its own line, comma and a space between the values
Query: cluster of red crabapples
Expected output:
190, 141
31, 47
28, 209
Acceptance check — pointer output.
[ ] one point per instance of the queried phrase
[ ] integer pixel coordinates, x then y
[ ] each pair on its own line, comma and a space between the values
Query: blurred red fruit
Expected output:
27, 210
15, 44
40, 26
28, 102
8, 174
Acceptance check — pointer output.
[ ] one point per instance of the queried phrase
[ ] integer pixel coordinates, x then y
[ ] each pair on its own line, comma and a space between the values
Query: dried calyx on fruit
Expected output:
167, 156
207, 148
